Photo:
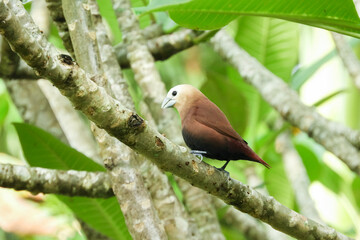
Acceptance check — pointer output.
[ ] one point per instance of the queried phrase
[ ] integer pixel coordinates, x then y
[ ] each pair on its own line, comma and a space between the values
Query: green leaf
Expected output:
41, 149
273, 42
107, 12
334, 15
4, 107
356, 190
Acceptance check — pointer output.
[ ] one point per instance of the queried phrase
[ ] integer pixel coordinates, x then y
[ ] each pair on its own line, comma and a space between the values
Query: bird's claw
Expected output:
198, 154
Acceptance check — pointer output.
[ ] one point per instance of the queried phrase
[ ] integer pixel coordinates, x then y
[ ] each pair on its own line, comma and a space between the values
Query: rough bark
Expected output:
135, 202
147, 76
127, 126
170, 210
70, 183
286, 101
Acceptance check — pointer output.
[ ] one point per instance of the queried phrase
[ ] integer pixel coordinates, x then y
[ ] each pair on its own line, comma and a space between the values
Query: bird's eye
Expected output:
174, 93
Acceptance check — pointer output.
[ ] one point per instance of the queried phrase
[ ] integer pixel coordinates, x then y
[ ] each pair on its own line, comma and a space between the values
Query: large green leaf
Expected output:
334, 15
41, 149
273, 42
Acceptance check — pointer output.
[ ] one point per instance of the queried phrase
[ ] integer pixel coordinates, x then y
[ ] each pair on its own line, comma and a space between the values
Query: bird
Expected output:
205, 128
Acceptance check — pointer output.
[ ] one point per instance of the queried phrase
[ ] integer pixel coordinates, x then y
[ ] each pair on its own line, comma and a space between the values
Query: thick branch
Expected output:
143, 65
131, 193
286, 102
147, 76
71, 183
128, 127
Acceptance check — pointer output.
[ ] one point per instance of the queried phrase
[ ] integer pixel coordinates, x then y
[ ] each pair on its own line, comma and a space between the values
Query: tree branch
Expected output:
200, 207
153, 89
348, 57
286, 101
141, 218
250, 227
70, 183
161, 47
57, 15
128, 127
297, 175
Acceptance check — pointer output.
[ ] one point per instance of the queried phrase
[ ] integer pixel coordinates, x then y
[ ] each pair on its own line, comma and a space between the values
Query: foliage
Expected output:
269, 31
204, 14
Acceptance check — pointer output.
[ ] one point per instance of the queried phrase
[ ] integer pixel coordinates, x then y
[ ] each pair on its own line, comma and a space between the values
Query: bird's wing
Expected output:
210, 115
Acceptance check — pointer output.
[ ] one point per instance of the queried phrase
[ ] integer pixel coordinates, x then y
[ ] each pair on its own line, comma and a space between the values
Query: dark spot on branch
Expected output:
90, 111
187, 163
109, 163
179, 165
159, 143
135, 121
66, 59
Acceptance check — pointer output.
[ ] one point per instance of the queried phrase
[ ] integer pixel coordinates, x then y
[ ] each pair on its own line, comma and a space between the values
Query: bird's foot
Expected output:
198, 154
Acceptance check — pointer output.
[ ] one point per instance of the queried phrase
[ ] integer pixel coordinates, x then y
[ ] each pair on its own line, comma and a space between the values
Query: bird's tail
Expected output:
256, 158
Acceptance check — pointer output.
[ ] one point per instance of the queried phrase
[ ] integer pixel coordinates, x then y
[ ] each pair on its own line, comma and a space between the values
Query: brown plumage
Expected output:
205, 127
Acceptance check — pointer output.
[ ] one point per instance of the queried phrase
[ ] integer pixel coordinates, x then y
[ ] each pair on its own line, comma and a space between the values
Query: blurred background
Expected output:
304, 57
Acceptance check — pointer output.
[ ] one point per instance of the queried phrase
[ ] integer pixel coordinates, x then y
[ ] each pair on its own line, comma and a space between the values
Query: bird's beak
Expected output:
168, 103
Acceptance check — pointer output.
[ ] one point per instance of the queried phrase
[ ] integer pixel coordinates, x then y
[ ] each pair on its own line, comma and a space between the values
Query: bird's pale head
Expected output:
180, 96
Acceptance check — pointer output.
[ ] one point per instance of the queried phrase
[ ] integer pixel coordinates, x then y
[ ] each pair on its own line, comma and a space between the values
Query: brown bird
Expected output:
205, 128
